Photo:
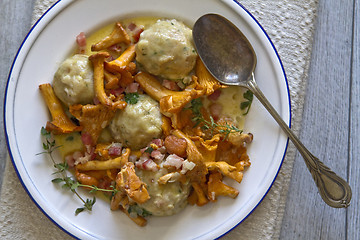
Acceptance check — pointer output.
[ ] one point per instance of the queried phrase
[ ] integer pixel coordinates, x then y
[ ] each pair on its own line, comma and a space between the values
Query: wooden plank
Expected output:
353, 221
15, 19
325, 127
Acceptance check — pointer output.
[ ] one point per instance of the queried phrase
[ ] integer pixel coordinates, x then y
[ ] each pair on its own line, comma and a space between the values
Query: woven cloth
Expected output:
290, 25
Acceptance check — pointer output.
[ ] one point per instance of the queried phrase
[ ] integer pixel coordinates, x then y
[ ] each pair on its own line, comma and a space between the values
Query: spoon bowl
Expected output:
231, 59
231, 47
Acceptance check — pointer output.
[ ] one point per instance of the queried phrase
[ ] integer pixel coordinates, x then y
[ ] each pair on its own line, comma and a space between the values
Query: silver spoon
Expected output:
230, 58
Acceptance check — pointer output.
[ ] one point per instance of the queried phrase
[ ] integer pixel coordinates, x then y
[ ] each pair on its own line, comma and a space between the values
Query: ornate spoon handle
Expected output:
334, 190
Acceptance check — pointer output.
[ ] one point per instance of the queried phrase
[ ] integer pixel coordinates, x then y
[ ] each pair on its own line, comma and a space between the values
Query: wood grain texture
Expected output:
331, 116
353, 219
15, 19
325, 128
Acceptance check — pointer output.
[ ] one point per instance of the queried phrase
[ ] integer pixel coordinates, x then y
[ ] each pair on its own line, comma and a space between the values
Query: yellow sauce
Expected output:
142, 22
69, 143
230, 100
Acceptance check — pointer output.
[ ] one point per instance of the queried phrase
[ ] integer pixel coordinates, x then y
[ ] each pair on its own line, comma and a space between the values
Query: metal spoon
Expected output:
230, 58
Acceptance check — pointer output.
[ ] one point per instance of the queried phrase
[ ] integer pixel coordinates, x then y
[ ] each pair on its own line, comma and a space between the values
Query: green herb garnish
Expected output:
138, 210
196, 105
70, 138
149, 150
67, 182
198, 118
249, 96
131, 98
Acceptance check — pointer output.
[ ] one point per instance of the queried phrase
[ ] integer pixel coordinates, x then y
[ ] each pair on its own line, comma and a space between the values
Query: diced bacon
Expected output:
187, 166
157, 155
173, 160
90, 151
81, 39
69, 159
117, 92
87, 157
86, 138
81, 42
145, 162
136, 34
215, 95
136, 31
162, 149
132, 158
215, 110
158, 142
132, 88
138, 164
150, 165
116, 48
132, 26
171, 85
115, 149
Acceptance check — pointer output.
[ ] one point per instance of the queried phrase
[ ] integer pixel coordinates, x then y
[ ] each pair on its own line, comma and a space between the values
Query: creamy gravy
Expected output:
231, 97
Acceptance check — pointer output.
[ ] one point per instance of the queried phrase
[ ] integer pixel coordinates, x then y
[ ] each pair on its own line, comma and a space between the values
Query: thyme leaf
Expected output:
61, 167
135, 209
249, 96
87, 206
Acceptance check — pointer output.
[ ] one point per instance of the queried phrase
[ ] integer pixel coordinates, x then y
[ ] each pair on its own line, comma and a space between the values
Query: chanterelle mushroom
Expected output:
98, 65
216, 187
118, 35
93, 118
198, 173
122, 61
129, 182
60, 123
206, 80
170, 101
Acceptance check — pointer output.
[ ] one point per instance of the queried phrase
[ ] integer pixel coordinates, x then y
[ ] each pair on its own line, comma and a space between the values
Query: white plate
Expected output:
50, 41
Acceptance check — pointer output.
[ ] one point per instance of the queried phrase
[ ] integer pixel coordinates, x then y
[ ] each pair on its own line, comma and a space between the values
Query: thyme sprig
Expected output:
67, 182
198, 118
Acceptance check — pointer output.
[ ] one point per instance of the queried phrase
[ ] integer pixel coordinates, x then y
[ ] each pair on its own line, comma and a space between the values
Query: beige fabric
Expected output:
290, 25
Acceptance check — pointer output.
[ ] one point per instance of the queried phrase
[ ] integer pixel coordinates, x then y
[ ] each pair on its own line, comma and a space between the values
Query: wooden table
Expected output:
331, 118
330, 126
